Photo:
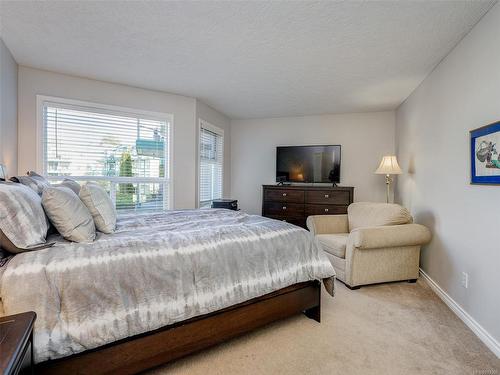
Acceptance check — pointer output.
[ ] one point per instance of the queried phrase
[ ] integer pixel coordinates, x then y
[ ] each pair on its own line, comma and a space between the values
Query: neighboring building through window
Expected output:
211, 163
126, 151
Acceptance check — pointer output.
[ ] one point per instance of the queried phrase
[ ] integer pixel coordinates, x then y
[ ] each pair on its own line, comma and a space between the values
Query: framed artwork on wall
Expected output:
484, 154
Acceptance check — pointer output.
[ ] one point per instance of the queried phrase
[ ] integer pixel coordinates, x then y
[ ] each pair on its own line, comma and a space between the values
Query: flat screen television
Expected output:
308, 164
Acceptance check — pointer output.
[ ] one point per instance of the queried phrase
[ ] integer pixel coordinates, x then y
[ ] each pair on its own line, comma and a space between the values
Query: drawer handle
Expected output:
284, 207
284, 194
326, 209
327, 196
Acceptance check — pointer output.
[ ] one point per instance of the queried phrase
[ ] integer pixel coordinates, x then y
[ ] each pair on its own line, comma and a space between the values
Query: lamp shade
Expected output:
389, 165
3, 171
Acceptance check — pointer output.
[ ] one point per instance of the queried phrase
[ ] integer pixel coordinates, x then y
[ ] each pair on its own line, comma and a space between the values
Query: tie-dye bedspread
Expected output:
157, 269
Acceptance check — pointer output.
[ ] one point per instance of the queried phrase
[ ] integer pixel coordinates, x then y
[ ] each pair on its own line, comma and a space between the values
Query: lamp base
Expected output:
388, 181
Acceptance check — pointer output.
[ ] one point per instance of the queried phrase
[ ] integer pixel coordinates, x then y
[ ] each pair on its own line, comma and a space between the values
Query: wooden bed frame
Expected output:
155, 348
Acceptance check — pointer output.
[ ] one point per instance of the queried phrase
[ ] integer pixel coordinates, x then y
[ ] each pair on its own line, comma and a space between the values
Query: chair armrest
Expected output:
390, 236
327, 224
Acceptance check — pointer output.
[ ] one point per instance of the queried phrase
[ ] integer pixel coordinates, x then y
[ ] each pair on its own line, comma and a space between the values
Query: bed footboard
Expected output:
152, 349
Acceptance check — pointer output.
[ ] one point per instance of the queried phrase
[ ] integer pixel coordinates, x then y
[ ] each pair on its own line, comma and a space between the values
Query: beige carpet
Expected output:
396, 328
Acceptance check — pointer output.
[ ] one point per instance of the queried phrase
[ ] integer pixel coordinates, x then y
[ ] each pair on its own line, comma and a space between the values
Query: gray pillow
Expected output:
68, 214
34, 181
22, 219
72, 184
6, 244
37, 176
100, 206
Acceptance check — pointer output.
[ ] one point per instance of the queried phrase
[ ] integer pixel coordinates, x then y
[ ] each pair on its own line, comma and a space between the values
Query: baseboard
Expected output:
480, 332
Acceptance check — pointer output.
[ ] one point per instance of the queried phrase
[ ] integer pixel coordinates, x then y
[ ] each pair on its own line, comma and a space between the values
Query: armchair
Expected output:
373, 243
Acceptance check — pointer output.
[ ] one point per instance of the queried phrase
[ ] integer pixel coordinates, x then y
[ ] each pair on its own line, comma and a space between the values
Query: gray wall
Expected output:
8, 110
432, 138
365, 138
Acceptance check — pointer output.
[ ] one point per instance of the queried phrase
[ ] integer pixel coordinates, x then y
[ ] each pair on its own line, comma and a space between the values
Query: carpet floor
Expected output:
396, 328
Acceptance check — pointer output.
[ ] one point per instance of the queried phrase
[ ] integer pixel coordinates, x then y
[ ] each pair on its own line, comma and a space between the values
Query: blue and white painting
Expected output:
485, 157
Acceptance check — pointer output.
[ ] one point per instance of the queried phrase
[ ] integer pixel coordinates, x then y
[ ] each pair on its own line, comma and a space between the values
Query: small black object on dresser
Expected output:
16, 342
230, 204
296, 202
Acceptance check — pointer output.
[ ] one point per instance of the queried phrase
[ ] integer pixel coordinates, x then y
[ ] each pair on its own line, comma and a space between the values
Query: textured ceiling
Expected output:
246, 59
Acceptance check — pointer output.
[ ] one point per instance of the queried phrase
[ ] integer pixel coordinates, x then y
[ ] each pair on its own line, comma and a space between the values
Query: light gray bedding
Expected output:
155, 270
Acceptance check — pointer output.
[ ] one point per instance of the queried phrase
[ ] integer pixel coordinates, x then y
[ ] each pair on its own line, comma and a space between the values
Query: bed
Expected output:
162, 286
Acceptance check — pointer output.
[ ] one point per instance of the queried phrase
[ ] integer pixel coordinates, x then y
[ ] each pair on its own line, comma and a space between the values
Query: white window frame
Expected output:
219, 131
116, 110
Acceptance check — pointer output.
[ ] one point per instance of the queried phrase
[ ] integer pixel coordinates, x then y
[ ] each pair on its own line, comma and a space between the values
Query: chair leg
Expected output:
412, 281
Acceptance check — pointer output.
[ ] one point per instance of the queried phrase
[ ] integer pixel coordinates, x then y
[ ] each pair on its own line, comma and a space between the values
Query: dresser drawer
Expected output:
325, 209
299, 221
284, 209
284, 195
328, 197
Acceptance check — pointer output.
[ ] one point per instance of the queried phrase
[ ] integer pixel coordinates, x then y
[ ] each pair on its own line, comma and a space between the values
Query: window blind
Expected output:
128, 154
211, 164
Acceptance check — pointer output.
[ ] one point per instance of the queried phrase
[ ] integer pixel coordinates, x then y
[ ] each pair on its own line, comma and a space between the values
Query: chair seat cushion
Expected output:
334, 244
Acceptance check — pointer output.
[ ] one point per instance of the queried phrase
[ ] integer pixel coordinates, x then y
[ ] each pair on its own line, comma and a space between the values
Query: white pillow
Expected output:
100, 206
68, 214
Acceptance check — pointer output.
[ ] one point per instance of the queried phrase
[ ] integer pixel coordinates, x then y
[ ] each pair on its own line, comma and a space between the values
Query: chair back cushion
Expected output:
367, 214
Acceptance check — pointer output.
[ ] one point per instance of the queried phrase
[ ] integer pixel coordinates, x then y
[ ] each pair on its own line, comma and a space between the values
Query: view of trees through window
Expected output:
125, 153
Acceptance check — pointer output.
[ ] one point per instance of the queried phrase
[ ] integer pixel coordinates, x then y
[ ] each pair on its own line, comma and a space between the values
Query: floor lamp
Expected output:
388, 166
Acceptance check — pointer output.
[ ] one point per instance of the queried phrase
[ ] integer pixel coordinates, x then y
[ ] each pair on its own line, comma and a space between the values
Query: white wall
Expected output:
185, 143
432, 134
220, 120
365, 138
8, 110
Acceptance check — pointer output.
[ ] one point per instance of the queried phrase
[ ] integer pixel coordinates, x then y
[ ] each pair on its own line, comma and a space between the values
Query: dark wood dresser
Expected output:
16, 342
295, 203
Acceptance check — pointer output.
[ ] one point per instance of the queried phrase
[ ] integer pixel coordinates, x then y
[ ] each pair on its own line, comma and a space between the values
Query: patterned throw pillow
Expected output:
68, 214
100, 206
7, 245
22, 219
34, 181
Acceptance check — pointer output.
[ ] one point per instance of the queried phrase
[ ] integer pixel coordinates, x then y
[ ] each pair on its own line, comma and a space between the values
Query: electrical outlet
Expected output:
465, 280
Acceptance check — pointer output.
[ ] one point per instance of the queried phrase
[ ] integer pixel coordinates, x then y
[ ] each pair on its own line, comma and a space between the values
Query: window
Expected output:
211, 163
127, 153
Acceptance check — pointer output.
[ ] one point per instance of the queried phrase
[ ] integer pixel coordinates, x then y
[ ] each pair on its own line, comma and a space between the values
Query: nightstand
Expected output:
230, 204
16, 339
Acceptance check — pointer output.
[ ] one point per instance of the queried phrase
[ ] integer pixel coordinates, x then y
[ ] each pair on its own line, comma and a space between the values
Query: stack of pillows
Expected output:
30, 206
